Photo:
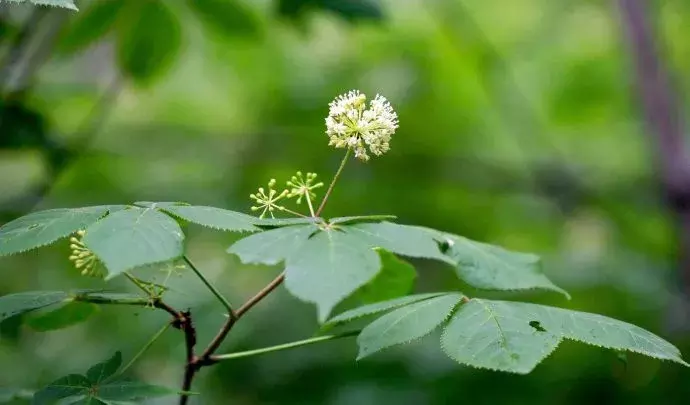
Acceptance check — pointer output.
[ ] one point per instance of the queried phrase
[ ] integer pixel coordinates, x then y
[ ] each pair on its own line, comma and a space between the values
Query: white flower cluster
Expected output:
350, 124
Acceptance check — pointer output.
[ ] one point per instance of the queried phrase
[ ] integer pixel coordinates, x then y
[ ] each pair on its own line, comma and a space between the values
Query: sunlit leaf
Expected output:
134, 237
45, 227
330, 266
406, 324
70, 314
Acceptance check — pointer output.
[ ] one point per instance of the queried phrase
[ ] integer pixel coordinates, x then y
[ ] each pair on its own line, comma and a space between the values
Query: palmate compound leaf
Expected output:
329, 267
45, 227
406, 324
515, 336
134, 237
491, 267
97, 387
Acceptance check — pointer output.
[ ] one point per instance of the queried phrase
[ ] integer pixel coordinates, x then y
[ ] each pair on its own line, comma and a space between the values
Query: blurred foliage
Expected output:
519, 126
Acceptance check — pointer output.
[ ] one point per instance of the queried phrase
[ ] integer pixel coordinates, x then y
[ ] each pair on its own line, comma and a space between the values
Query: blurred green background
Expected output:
519, 126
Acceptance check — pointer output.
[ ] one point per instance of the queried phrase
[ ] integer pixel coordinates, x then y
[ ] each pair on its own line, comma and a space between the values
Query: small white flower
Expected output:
350, 124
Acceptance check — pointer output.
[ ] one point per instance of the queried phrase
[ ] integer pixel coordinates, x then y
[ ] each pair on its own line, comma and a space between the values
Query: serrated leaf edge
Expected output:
18, 252
442, 323
217, 228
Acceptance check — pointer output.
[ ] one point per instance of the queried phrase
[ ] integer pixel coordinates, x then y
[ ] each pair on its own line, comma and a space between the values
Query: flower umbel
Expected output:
301, 186
350, 124
83, 258
267, 202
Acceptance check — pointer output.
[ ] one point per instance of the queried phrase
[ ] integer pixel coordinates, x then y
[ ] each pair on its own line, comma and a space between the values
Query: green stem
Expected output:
117, 301
281, 208
335, 178
144, 348
285, 346
210, 286
138, 283
311, 208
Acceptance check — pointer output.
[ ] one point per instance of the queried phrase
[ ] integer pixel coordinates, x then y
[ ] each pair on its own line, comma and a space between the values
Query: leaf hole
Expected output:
537, 326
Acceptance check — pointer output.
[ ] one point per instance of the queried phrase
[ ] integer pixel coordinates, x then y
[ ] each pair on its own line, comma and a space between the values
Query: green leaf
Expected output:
360, 218
14, 394
148, 45
19, 303
127, 390
273, 246
378, 307
90, 26
493, 268
395, 279
405, 240
278, 222
101, 371
67, 315
216, 218
515, 336
228, 18
496, 336
45, 227
65, 387
406, 324
328, 268
57, 3
134, 237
